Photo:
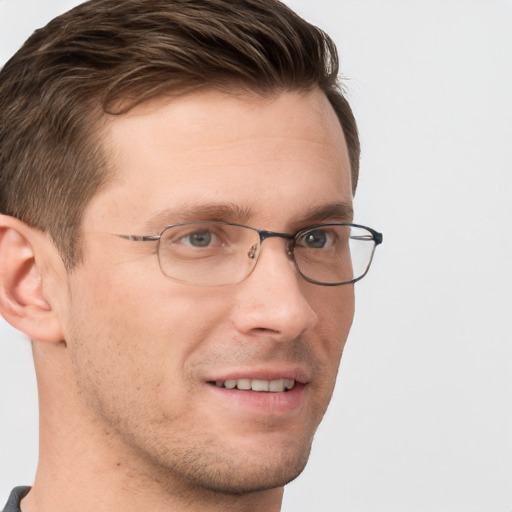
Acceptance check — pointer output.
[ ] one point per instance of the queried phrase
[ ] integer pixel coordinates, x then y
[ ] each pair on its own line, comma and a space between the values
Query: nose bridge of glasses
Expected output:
289, 239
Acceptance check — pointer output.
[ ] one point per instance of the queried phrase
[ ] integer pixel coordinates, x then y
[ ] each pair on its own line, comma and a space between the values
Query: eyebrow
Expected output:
222, 212
230, 212
335, 212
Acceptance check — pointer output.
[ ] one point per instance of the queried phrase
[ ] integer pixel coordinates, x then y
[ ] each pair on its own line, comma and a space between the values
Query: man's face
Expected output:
148, 351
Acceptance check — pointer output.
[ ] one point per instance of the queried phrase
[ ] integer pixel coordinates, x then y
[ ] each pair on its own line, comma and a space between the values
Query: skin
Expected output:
125, 356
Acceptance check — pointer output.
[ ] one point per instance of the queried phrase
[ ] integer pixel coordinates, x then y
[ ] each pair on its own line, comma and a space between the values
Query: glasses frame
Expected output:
377, 239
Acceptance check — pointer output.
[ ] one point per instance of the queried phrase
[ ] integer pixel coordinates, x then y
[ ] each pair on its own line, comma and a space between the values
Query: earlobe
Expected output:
22, 300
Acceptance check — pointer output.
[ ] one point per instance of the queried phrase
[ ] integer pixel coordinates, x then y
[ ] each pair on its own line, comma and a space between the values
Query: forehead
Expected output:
264, 156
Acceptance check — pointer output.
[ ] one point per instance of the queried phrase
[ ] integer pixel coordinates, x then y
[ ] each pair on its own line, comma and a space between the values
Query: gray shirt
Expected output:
13, 503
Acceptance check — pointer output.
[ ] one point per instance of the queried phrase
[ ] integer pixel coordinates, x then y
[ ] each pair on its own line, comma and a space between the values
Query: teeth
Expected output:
274, 386
260, 385
289, 384
243, 384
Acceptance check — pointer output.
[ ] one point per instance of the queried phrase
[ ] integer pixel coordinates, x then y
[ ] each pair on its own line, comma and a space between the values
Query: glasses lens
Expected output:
208, 253
334, 254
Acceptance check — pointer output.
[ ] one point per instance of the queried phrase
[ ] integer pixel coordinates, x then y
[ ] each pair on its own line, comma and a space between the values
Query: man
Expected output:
176, 182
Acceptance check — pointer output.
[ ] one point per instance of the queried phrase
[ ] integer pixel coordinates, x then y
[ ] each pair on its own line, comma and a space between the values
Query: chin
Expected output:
239, 472
242, 479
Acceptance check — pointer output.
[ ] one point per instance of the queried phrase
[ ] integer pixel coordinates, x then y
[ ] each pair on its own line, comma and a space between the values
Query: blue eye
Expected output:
199, 238
316, 239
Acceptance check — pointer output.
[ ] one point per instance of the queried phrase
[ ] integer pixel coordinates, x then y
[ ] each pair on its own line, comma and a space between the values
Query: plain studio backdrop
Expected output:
421, 419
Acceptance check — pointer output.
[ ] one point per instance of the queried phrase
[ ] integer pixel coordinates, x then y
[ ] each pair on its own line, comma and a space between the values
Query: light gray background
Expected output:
422, 416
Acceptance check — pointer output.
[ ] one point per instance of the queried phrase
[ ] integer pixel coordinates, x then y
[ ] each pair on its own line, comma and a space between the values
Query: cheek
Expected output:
335, 310
149, 329
137, 305
134, 350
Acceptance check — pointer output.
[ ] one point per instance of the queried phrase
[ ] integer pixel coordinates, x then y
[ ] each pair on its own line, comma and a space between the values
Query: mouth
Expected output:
259, 385
263, 393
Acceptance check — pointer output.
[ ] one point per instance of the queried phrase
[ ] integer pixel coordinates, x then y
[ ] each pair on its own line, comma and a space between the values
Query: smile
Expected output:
272, 386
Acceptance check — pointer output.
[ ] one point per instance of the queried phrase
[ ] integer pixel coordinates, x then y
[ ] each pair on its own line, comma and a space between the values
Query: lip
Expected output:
260, 403
299, 375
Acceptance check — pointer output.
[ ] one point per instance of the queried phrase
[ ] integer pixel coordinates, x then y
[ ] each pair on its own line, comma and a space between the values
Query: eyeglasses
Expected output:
220, 253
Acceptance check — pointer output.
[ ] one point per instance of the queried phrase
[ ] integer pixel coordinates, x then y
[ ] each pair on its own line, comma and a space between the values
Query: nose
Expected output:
274, 299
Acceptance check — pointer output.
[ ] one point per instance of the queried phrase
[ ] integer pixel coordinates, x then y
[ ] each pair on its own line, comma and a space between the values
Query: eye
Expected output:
316, 239
201, 238
196, 240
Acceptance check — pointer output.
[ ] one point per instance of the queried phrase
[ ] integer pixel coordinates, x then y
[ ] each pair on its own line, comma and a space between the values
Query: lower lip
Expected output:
263, 402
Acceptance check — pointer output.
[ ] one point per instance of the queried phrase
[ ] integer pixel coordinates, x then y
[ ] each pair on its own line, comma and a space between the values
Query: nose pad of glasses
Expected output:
253, 251
290, 250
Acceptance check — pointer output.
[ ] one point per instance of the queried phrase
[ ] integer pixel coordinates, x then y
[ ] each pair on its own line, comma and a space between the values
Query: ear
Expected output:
22, 300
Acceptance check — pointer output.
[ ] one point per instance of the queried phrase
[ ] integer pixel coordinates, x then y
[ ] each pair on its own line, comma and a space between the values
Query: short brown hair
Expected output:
105, 56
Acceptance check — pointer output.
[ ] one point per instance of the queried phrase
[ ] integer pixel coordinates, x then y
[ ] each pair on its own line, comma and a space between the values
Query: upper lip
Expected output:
295, 373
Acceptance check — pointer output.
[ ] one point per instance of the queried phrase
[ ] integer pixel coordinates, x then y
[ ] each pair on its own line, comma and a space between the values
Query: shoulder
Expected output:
13, 503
